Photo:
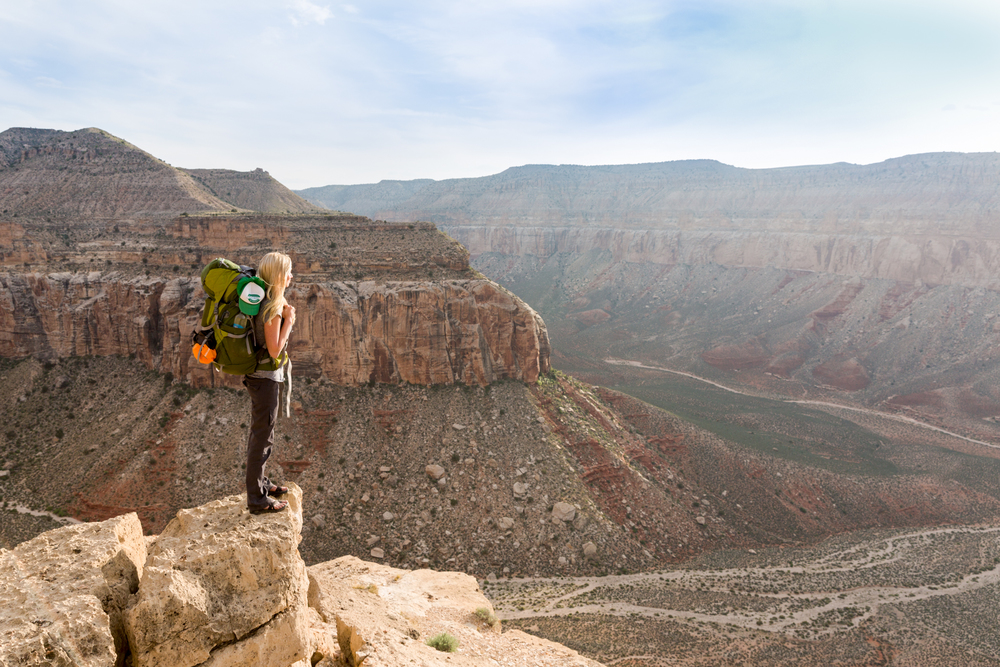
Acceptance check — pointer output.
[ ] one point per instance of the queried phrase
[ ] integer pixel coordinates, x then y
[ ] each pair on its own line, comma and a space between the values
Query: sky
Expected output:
321, 93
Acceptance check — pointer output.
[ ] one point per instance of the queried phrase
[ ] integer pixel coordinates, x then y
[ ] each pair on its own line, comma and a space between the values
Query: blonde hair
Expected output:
273, 268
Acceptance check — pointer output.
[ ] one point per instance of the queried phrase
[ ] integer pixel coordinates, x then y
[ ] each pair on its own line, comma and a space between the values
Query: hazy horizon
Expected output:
321, 93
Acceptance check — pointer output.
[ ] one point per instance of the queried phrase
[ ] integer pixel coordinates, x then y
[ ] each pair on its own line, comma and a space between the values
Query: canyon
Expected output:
428, 427
872, 285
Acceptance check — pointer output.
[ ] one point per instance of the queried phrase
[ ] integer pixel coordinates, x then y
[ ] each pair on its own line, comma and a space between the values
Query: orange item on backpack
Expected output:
203, 353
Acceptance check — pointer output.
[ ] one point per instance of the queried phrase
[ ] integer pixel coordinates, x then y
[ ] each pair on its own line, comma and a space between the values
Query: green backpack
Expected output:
230, 344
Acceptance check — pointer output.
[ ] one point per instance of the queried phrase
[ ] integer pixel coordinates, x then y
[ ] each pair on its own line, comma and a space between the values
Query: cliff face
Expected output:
935, 259
351, 333
936, 193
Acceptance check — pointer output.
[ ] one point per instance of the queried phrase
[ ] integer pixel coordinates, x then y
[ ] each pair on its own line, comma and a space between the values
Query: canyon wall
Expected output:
351, 333
934, 193
931, 259
876, 283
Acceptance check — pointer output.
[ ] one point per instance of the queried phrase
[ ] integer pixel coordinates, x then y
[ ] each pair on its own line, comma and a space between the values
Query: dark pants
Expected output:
264, 395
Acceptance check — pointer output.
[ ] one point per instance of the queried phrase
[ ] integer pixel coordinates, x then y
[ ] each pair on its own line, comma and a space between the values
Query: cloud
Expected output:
48, 82
447, 88
305, 12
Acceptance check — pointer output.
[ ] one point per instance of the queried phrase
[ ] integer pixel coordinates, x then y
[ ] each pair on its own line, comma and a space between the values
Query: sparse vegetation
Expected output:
486, 616
443, 641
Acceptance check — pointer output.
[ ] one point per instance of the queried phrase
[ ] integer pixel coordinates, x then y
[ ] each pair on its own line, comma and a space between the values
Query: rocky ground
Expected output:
869, 598
553, 477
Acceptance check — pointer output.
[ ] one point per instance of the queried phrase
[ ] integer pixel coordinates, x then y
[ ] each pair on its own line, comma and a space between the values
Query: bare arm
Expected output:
277, 330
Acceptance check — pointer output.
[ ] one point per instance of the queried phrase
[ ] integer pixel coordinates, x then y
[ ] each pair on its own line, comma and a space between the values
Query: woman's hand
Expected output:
288, 313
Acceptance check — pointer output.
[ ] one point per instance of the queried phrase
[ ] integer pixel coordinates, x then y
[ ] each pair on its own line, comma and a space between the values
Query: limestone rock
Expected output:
506, 523
64, 591
563, 511
279, 642
590, 550
219, 575
520, 489
223, 588
384, 615
434, 471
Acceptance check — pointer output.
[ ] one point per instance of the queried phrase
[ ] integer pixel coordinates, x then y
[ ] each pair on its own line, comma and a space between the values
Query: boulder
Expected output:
590, 550
219, 576
223, 588
384, 615
434, 471
563, 511
64, 593
506, 523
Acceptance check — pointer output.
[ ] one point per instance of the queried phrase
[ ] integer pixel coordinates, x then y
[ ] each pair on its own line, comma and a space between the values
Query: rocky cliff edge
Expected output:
221, 587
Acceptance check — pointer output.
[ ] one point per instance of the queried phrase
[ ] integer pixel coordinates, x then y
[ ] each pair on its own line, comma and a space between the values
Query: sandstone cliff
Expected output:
934, 257
929, 217
220, 587
350, 333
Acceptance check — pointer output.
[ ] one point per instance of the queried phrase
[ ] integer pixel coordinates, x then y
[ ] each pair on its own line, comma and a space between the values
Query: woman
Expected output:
273, 323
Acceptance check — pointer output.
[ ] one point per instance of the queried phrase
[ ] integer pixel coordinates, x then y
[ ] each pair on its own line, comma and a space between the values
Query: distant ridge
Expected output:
90, 173
253, 190
51, 173
373, 197
958, 188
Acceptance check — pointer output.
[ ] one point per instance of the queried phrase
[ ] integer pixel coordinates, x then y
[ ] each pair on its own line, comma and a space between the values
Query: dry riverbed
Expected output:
854, 597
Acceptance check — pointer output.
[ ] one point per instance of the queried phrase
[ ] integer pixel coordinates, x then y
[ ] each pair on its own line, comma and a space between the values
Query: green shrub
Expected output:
485, 615
443, 642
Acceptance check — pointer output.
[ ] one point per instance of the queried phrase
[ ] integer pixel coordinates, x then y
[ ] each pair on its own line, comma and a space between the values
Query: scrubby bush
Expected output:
443, 642
486, 615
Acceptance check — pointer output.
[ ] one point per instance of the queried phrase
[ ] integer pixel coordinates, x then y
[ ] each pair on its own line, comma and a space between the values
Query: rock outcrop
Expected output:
351, 333
220, 585
64, 594
390, 613
223, 588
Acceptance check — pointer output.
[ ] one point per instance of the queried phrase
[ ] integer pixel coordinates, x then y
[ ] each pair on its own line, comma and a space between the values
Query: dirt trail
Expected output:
825, 404
65, 520
783, 614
